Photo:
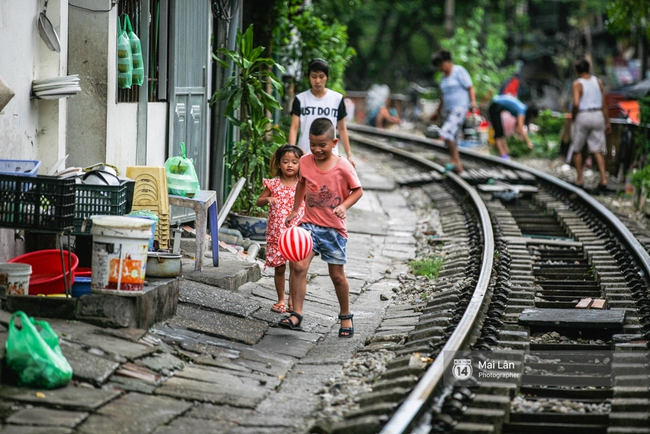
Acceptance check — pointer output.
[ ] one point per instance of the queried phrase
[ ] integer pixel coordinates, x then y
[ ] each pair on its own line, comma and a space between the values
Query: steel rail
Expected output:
414, 404
412, 408
614, 223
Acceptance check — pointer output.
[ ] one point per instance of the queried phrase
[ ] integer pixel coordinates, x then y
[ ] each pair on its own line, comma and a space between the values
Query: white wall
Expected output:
121, 134
91, 127
157, 134
30, 128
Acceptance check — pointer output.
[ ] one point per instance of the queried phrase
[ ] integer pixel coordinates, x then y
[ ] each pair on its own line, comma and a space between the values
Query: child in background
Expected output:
330, 186
279, 194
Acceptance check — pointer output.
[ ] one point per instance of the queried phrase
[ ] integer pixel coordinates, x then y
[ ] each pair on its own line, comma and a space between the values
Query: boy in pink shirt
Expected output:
330, 186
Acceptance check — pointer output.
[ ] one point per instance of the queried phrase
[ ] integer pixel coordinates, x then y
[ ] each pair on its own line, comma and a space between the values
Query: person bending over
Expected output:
522, 114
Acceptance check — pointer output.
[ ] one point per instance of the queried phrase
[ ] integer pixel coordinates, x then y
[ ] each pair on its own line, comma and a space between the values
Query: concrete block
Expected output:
156, 303
43, 307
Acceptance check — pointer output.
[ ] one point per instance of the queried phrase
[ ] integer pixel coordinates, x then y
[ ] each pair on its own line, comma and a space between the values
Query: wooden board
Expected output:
573, 318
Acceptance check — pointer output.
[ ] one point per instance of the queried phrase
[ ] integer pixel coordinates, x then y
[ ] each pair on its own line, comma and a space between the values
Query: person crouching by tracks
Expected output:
523, 115
590, 122
329, 186
456, 97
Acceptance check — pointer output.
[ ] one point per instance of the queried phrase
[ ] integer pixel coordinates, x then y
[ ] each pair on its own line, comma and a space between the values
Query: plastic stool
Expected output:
205, 207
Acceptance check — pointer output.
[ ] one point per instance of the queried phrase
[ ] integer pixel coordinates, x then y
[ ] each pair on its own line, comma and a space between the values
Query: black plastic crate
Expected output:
37, 203
98, 200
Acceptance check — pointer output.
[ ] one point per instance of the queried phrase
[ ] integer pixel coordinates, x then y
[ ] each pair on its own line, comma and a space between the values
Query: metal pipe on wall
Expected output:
143, 94
219, 135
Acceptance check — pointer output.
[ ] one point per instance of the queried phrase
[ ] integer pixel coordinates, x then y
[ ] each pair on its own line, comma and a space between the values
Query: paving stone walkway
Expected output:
221, 364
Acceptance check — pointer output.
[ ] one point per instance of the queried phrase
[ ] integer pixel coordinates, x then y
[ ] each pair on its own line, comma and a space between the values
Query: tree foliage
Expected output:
301, 35
624, 16
480, 52
394, 41
247, 105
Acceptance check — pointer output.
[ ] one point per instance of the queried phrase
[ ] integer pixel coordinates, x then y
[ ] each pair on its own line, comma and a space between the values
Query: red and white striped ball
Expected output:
295, 244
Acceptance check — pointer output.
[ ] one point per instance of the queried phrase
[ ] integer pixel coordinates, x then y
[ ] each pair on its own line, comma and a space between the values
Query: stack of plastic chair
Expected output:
150, 193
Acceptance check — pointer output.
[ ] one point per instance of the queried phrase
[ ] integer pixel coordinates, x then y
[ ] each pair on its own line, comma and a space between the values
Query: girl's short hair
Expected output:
319, 65
274, 167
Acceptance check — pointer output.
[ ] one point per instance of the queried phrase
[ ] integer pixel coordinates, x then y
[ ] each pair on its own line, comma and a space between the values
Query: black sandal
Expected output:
603, 189
288, 324
346, 332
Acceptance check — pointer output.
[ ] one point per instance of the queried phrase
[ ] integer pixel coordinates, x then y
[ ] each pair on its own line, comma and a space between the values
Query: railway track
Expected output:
540, 316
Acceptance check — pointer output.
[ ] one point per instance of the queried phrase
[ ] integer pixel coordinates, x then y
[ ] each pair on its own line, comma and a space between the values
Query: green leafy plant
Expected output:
481, 52
248, 103
300, 36
546, 140
516, 146
550, 124
641, 177
429, 267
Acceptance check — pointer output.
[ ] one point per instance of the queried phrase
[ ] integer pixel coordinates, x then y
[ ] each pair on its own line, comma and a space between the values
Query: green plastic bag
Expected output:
182, 179
136, 53
35, 356
124, 57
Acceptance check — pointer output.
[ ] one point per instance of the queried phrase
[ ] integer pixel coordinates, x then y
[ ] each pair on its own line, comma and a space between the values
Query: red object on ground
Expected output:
619, 107
295, 244
83, 272
631, 108
47, 272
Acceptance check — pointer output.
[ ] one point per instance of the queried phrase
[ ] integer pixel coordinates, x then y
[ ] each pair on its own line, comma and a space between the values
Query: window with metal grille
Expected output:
156, 62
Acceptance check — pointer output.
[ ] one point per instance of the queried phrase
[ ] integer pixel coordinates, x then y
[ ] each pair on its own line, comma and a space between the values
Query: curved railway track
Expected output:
540, 316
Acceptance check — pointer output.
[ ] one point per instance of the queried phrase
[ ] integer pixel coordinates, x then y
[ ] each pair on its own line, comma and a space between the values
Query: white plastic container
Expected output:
119, 257
15, 278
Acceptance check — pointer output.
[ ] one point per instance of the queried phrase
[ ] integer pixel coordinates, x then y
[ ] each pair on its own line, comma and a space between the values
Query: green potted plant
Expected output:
248, 103
640, 180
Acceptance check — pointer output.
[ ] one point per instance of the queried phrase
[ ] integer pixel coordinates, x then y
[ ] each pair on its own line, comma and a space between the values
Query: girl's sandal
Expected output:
346, 332
288, 324
279, 308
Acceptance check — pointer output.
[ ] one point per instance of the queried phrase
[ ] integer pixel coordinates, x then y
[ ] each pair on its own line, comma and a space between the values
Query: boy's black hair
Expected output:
582, 66
319, 65
322, 126
441, 56
274, 166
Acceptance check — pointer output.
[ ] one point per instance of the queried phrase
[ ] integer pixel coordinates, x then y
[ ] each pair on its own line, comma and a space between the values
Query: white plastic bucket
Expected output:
15, 278
119, 258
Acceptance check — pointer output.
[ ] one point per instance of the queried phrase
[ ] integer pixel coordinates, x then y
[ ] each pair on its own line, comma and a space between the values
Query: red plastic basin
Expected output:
47, 272
83, 272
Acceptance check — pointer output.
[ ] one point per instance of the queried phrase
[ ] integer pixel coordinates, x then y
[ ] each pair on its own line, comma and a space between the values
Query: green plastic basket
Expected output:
98, 200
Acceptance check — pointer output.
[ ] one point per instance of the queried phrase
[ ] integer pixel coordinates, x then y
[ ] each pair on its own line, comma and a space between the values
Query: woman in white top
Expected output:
318, 102
590, 121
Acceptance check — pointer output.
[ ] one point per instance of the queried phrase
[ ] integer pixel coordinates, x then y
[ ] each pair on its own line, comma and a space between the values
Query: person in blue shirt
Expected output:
457, 96
384, 116
516, 108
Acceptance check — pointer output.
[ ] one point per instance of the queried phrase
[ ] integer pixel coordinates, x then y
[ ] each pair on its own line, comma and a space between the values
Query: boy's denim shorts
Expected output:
328, 243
